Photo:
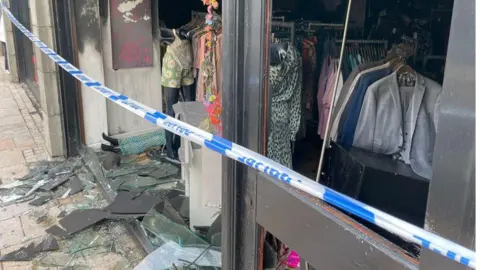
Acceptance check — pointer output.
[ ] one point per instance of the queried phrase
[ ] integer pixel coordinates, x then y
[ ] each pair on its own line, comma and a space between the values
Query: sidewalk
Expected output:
22, 142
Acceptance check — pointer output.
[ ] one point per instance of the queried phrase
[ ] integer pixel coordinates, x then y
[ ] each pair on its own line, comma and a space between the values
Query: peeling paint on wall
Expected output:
129, 5
126, 9
132, 41
128, 17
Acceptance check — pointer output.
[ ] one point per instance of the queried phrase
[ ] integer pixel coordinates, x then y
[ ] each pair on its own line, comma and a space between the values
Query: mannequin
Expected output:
177, 79
277, 53
173, 95
167, 35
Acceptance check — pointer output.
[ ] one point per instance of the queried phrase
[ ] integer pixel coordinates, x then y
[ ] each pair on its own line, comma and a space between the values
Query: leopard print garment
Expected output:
286, 85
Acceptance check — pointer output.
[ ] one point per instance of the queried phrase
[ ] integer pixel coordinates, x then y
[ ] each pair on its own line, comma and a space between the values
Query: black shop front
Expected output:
302, 82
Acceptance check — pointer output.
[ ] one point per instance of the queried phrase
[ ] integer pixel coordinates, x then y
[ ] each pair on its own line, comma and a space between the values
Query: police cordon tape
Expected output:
394, 225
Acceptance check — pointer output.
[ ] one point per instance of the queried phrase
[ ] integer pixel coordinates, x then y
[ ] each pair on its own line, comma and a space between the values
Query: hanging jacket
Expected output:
403, 123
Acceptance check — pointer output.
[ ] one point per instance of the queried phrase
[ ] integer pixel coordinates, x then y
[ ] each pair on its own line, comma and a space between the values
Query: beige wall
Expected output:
42, 27
95, 59
94, 105
41, 18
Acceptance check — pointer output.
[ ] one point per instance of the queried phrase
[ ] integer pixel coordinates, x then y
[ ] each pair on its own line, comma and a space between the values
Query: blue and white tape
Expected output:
405, 230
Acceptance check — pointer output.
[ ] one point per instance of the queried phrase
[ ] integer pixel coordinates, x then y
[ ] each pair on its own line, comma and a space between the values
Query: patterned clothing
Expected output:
286, 83
173, 75
138, 144
177, 64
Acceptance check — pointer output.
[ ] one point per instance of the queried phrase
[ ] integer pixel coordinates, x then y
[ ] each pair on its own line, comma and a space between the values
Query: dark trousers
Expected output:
173, 95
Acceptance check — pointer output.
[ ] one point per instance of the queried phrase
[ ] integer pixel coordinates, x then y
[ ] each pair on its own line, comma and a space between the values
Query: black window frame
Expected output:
328, 238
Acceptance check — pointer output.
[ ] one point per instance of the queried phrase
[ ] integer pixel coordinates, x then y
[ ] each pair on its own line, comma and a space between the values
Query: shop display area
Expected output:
372, 106
359, 116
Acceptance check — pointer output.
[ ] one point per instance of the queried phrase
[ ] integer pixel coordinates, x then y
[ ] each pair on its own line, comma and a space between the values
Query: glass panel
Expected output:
332, 115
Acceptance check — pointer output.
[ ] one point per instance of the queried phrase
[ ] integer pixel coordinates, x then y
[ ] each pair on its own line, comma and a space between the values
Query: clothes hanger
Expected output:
406, 75
166, 36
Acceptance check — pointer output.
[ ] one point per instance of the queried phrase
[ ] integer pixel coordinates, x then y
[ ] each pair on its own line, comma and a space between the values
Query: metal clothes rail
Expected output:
290, 26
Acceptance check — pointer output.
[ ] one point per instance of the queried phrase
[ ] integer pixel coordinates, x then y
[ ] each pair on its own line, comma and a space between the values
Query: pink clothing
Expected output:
325, 99
293, 260
200, 51
324, 82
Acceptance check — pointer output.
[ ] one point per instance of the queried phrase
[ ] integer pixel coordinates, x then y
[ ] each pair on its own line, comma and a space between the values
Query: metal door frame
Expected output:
451, 200
325, 236
70, 89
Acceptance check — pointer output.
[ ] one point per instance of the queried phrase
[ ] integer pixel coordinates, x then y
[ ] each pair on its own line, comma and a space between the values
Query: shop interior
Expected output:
378, 126
191, 35
373, 111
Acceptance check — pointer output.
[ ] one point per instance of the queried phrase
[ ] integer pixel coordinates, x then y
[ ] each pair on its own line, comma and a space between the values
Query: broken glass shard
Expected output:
169, 231
125, 203
165, 208
111, 161
75, 185
41, 200
15, 184
48, 244
173, 254
140, 183
57, 181
129, 169
22, 254
57, 231
82, 219
182, 205
29, 252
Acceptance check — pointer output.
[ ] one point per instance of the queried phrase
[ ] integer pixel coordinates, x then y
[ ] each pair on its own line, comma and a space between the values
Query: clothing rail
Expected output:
324, 25
289, 25
278, 18
359, 41
261, 163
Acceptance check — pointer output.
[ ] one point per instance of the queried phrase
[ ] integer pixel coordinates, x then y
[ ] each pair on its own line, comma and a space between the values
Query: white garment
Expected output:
2, 29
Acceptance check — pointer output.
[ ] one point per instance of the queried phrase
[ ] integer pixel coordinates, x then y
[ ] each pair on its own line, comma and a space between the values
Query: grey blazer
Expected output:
385, 126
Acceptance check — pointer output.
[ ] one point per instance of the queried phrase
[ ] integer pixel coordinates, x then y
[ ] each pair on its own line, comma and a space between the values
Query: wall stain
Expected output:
88, 24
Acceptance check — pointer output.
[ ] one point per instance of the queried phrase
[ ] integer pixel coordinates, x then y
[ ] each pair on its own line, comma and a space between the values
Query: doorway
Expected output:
24, 47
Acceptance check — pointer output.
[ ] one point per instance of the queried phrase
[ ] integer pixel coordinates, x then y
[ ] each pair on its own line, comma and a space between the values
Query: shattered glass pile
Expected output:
165, 223
54, 190
47, 180
87, 206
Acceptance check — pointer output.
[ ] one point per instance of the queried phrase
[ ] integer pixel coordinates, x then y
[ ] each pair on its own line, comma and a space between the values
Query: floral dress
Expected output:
177, 64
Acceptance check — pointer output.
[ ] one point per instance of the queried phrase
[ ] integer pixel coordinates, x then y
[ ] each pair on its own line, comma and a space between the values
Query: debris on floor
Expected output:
29, 252
40, 200
173, 256
85, 216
